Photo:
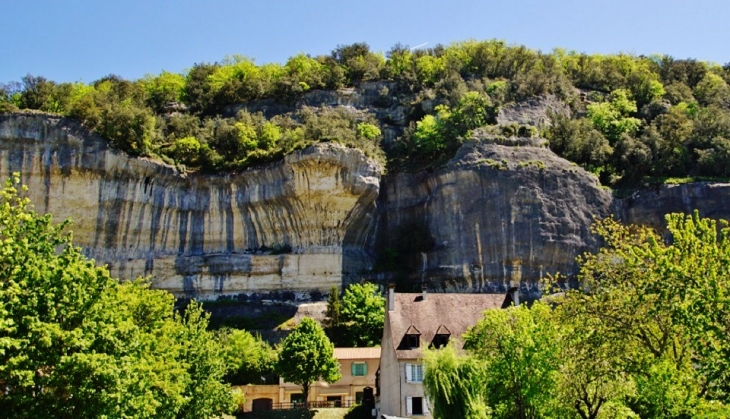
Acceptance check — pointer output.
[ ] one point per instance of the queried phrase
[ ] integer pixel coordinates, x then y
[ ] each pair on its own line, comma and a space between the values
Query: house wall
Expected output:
409, 389
347, 386
393, 387
252, 392
389, 375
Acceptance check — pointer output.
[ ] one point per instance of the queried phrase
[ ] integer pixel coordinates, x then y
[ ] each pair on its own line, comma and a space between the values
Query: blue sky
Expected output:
76, 40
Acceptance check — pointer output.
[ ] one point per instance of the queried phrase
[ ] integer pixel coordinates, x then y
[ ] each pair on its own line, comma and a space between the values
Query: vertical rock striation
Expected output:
500, 214
298, 225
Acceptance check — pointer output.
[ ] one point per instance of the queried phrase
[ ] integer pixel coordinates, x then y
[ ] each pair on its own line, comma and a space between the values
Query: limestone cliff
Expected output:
502, 212
648, 206
299, 225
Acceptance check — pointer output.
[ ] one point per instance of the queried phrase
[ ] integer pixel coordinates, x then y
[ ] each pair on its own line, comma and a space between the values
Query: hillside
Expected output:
474, 166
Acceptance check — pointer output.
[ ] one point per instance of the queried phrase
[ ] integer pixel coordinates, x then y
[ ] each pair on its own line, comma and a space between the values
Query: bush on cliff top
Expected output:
634, 116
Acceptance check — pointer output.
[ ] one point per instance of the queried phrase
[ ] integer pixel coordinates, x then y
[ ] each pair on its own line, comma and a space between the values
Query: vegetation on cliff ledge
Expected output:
632, 116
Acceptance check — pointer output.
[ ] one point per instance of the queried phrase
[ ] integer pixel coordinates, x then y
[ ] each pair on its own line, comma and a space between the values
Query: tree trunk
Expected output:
305, 392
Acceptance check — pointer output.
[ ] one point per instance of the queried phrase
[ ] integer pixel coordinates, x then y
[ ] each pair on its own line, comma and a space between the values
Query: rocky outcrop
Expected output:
501, 213
534, 111
298, 225
648, 206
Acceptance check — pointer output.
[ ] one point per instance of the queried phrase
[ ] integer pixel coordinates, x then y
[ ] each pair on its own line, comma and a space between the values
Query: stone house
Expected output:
414, 322
357, 365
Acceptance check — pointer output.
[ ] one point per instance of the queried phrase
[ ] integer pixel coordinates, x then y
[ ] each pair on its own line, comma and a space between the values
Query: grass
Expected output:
336, 413
330, 413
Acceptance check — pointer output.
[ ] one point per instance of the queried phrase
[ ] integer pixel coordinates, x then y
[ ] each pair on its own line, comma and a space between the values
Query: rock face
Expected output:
298, 225
501, 213
648, 207
533, 111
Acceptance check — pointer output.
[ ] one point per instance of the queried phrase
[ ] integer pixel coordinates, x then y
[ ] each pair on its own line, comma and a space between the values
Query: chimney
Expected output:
391, 297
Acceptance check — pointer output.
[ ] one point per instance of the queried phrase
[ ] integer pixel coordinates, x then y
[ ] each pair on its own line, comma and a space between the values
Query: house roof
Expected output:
357, 353
453, 312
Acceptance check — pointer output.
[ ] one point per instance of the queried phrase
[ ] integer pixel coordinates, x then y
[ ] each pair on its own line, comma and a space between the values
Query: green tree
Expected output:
455, 385
579, 141
164, 89
368, 131
248, 358
713, 90
363, 313
474, 110
612, 117
333, 323
307, 356
519, 348
37, 91
664, 308
186, 150
76, 343
428, 137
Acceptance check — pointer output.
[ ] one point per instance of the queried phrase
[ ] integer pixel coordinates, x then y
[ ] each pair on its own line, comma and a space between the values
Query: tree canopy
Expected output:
630, 117
645, 335
363, 313
249, 359
307, 356
356, 319
75, 343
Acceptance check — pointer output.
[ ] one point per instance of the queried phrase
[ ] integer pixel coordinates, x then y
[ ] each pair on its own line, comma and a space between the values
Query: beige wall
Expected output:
346, 387
393, 386
252, 392
387, 400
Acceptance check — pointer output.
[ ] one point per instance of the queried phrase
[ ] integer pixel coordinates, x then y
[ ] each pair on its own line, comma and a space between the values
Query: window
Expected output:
441, 337
414, 373
439, 341
359, 395
411, 340
359, 369
415, 406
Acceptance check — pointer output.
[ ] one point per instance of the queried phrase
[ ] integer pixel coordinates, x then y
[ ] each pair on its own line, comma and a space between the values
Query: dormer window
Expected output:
441, 338
411, 340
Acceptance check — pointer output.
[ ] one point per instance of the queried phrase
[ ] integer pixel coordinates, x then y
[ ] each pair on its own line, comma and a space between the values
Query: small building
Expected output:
358, 367
414, 322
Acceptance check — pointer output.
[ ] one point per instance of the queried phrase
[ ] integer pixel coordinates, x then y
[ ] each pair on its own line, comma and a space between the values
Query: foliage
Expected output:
333, 323
579, 141
307, 356
163, 90
76, 343
249, 359
455, 385
657, 315
612, 117
645, 336
519, 350
363, 315
634, 116
435, 135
